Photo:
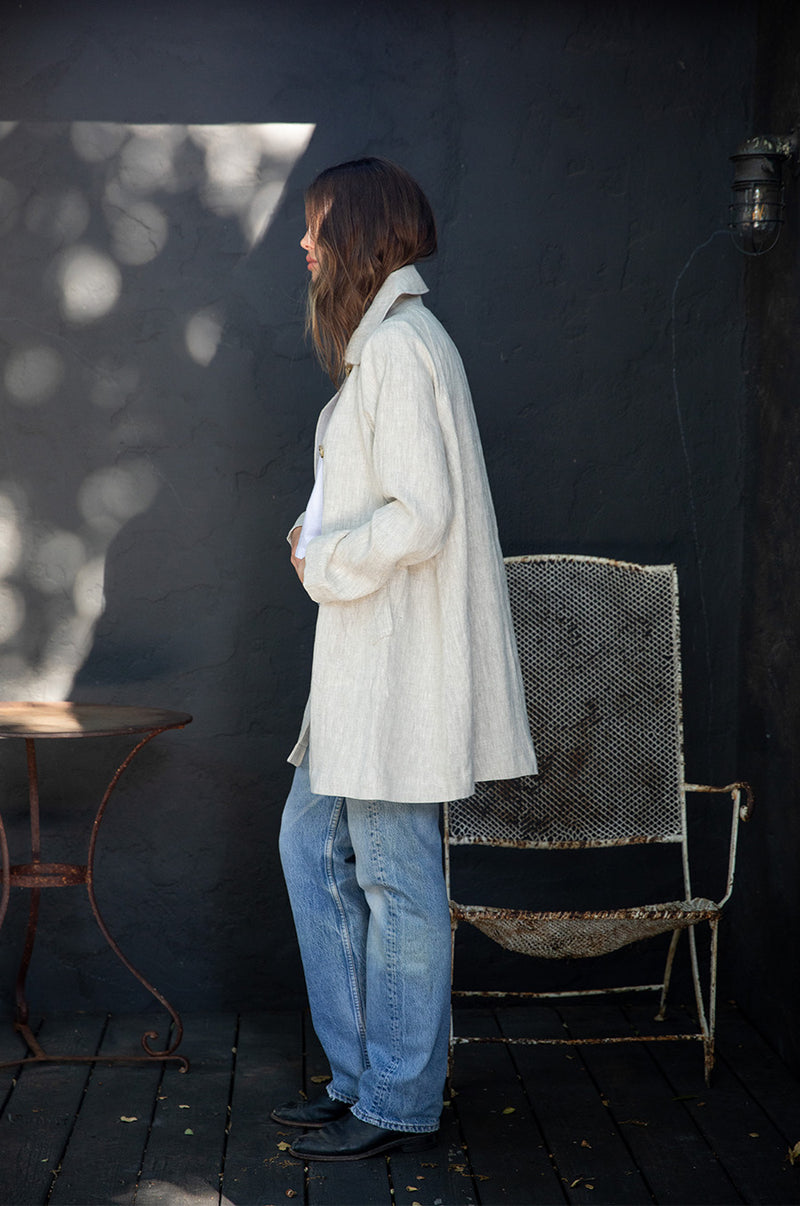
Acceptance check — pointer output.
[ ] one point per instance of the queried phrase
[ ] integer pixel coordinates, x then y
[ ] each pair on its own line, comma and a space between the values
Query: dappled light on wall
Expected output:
33, 374
117, 242
12, 606
236, 185
89, 283
203, 333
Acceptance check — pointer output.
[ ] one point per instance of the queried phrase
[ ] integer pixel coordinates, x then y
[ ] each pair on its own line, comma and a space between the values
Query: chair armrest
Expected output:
735, 790
741, 812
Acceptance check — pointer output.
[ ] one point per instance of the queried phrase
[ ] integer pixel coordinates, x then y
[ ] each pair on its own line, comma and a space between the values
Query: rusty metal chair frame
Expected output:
599, 647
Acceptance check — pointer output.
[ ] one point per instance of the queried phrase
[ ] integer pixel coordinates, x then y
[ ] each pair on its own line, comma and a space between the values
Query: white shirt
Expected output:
312, 524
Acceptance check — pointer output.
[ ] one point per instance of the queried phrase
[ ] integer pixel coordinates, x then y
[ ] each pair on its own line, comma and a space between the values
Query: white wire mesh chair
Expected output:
599, 647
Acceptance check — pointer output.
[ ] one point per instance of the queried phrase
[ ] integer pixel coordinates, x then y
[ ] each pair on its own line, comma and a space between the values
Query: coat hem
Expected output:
321, 785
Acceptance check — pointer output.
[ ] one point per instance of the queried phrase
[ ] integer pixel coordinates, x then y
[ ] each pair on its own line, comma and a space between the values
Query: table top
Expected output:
65, 719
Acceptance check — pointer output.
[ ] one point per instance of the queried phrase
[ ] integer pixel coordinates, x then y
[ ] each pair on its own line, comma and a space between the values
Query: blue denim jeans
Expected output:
367, 890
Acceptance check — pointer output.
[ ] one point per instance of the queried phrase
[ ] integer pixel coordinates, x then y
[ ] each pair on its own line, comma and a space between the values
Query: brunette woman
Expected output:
415, 687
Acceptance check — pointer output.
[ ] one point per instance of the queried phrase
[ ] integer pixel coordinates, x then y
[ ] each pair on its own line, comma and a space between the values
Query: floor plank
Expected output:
589, 1148
745, 1140
675, 1160
187, 1139
269, 1071
41, 1107
527, 1126
102, 1162
747, 1054
496, 1116
439, 1175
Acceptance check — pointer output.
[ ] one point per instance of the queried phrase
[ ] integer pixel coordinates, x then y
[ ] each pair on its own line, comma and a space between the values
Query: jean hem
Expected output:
412, 1128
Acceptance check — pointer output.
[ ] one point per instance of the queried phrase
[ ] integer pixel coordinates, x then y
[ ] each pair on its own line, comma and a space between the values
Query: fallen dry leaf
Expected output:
283, 1146
794, 1154
585, 1143
320, 1080
124, 1119
510, 1110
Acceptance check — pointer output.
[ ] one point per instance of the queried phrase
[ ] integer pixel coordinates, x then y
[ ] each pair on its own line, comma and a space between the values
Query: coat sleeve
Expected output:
410, 467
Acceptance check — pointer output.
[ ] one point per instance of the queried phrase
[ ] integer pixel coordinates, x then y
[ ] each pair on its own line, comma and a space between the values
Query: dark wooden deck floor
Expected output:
612, 1124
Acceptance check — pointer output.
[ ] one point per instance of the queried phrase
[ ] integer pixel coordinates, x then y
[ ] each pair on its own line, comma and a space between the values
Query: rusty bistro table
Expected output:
35, 722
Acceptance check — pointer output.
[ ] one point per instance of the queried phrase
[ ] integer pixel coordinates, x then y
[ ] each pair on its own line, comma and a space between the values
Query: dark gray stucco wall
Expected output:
159, 402
769, 898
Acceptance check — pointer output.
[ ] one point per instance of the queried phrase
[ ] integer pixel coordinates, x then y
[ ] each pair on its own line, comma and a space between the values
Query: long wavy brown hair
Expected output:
367, 217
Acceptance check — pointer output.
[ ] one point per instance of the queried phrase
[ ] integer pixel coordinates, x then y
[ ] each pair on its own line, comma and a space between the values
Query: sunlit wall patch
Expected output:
33, 374
111, 496
203, 333
120, 243
89, 283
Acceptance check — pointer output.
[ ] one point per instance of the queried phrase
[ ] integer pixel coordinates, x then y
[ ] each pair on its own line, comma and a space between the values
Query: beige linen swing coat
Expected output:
416, 691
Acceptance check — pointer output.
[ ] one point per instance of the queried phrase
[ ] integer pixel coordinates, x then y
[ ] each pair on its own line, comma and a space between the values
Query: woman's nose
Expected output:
305, 242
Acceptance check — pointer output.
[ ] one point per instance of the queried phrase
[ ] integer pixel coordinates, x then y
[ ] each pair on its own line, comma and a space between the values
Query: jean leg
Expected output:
331, 918
398, 859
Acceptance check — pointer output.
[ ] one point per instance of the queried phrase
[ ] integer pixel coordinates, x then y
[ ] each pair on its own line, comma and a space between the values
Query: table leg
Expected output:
22, 1012
36, 875
167, 1051
6, 862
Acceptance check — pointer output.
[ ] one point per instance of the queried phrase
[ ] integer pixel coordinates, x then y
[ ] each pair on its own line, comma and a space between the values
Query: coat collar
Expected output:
403, 281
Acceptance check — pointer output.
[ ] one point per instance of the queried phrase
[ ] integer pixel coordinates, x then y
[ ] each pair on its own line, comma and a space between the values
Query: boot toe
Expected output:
349, 1138
310, 1114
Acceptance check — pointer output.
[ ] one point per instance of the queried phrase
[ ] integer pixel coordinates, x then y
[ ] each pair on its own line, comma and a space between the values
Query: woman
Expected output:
415, 687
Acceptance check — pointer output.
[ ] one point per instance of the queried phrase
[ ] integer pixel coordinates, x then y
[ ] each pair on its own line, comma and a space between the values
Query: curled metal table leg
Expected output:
32, 721
6, 863
168, 1051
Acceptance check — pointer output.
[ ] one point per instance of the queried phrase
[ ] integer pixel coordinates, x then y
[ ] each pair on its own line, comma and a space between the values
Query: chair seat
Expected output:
582, 935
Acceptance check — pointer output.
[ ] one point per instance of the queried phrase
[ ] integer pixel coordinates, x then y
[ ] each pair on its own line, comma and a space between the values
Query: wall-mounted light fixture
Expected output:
757, 202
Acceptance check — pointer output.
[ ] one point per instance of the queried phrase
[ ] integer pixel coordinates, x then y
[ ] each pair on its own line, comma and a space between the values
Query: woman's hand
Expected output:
299, 563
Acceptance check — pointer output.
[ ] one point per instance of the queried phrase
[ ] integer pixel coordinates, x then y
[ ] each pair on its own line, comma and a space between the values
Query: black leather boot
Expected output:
349, 1138
310, 1114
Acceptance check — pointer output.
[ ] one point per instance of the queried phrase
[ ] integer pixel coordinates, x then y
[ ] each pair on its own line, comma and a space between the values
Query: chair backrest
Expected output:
599, 648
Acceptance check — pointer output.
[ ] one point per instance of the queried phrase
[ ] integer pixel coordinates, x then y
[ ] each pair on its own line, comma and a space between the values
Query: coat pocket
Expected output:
382, 614
389, 606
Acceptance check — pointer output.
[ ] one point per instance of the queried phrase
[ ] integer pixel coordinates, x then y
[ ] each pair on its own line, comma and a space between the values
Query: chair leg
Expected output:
667, 975
448, 1084
698, 992
448, 1090
708, 1058
708, 1020
708, 1045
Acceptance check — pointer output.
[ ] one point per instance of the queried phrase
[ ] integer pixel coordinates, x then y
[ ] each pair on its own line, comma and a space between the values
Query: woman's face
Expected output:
309, 245
315, 214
